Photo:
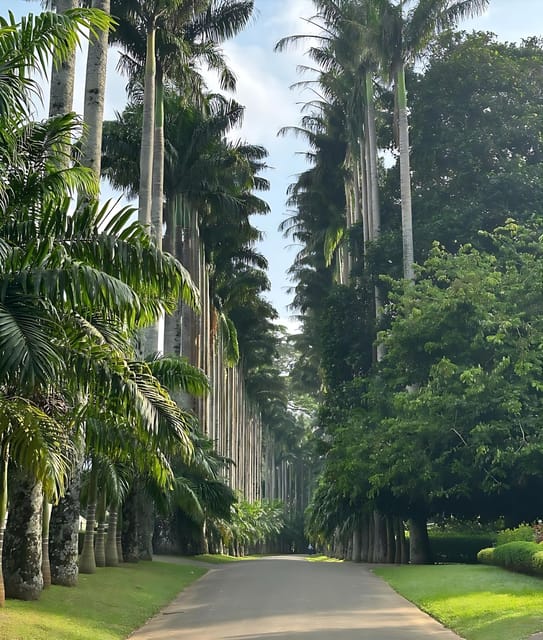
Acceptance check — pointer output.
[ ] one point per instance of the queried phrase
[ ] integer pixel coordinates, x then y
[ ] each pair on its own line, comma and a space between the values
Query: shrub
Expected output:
458, 547
516, 556
486, 556
537, 561
522, 533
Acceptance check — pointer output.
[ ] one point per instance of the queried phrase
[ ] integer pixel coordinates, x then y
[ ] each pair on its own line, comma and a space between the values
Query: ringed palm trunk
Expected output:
87, 562
61, 91
373, 182
157, 189
45, 564
149, 336
112, 557
119, 535
95, 88
172, 321
100, 542
405, 175
22, 542
148, 131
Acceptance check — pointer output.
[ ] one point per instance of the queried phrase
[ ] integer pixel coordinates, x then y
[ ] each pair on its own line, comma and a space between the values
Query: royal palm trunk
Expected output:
87, 562
23, 538
100, 538
112, 557
45, 563
405, 176
95, 88
61, 92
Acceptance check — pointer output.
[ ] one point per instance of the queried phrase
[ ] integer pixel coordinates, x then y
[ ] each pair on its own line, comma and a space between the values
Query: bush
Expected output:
486, 556
522, 533
537, 561
458, 547
516, 556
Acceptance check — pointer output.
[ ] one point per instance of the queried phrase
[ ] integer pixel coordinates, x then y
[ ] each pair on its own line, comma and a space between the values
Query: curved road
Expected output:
288, 598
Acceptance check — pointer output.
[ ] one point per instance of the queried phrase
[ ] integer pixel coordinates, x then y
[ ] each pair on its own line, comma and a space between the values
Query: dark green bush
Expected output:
516, 556
486, 556
458, 547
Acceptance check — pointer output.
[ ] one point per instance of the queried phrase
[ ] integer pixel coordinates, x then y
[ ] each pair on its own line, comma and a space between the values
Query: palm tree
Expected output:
403, 31
184, 38
26, 152
143, 17
115, 434
95, 82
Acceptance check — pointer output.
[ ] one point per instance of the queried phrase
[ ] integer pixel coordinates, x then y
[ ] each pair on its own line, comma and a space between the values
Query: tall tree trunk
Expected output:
119, 535
148, 131
22, 543
172, 322
100, 540
419, 543
157, 186
112, 557
357, 544
391, 542
64, 532
405, 175
61, 92
146, 526
130, 527
399, 538
149, 336
87, 562
379, 537
95, 90
365, 542
45, 563
4, 462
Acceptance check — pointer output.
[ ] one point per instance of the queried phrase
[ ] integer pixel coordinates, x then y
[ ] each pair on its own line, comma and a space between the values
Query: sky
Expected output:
264, 80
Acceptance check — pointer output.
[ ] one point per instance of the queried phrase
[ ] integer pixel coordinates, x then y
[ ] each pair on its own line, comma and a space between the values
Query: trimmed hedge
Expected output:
486, 556
521, 556
522, 533
458, 547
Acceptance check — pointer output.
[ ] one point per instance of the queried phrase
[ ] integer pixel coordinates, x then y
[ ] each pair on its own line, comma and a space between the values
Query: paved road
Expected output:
288, 598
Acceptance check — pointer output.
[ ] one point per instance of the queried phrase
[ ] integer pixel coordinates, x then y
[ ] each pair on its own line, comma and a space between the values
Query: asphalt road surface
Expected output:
289, 598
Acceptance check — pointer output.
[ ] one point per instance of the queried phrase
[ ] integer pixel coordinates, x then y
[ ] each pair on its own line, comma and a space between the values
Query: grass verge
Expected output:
478, 602
322, 559
107, 605
221, 558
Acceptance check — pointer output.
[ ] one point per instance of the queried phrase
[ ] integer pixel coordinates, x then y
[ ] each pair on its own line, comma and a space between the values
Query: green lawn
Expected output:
107, 605
478, 602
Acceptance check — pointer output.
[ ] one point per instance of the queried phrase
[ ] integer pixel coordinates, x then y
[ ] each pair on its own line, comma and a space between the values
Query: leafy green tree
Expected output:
462, 339
476, 132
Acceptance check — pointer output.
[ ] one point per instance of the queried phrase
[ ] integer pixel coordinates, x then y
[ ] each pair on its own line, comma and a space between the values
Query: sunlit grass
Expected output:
322, 559
107, 605
222, 558
478, 602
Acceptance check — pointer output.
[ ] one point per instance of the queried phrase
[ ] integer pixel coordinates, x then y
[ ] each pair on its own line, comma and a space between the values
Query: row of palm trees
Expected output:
86, 403
362, 49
